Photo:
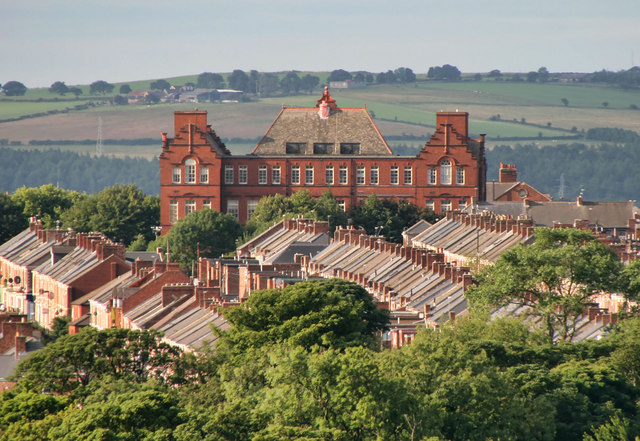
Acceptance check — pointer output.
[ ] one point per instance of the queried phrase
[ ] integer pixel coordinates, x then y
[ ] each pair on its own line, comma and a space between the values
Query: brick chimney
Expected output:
508, 173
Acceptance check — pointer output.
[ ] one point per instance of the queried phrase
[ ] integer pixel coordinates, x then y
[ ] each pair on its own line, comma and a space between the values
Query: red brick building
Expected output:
319, 148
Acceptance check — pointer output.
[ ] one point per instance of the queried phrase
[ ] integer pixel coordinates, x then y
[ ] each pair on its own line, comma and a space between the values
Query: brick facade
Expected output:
318, 149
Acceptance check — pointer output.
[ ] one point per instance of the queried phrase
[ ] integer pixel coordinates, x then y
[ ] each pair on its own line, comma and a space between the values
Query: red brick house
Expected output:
319, 148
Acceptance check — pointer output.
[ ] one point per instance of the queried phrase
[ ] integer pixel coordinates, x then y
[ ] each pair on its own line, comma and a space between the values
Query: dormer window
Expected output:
350, 148
322, 148
296, 148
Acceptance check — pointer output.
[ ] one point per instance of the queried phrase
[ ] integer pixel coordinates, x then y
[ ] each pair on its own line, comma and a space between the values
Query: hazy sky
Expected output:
81, 41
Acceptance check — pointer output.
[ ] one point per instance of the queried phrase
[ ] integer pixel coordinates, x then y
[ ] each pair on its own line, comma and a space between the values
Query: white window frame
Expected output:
275, 175
262, 175
206, 204
243, 175
460, 175
173, 212
295, 175
394, 175
190, 171
228, 174
329, 177
408, 175
204, 175
344, 175
445, 205
252, 204
462, 204
374, 175
433, 176
431, 205
361, 175
233, 208
308, 175
342, 204
445, 172
176, 175
189, 206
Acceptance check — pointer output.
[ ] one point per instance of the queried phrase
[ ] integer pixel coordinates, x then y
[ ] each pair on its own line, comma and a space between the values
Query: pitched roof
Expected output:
333, 125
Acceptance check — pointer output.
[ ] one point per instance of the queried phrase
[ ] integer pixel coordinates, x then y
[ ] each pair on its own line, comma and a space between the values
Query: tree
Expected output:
120, 212
238, 80
120, 100
339, 75
387, 77
206, 232
125, 89
495, 73
101, 87
532, 76
405, 75
59, 87
12, 218
267, 84
208, 80
605, 104
47, 202
14, 88
554, 278
76, 91
309, 82
565, 101
160, 85
270, 209
327, 313
445, 72
290, 84
543, 75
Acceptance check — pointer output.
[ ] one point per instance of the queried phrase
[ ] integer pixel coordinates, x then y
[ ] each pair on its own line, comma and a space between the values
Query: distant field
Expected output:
399, 109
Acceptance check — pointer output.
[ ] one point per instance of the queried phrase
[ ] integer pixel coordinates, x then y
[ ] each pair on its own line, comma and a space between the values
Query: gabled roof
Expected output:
325, 123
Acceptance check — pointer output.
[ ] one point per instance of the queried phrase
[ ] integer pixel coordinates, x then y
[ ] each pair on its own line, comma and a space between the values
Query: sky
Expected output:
82, 41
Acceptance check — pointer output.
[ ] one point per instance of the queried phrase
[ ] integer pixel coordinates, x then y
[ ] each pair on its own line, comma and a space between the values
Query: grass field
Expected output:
399, 109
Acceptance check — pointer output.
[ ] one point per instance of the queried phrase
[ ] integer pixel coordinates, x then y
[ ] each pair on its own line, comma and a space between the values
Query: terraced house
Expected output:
319, 148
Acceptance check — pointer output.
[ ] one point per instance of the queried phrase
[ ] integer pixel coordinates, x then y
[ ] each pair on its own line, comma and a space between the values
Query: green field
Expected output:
498, 109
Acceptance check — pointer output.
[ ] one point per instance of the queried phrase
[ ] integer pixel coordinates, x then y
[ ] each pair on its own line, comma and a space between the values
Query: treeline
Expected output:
74, 171
605, 172
305, 364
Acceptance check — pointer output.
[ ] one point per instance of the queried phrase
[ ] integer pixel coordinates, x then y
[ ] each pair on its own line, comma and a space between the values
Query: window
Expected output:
394, 175
328, 175
308, 174
445, 172
430, 205
206, 204
204, 175
344, 175
460, 176
228, 174
232, 208
374, 175
262, 175
350, 148
462, 204
173, 212
360, 175
275, 174
296, 148
322, 148
251, 207
190, 171
408, 175
445, 206
175, 176
432, 176
242, 174
342, 205
295, 174
189, 207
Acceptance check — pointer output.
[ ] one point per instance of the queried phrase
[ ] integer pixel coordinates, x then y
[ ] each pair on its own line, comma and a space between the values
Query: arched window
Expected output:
445, 172
190, 171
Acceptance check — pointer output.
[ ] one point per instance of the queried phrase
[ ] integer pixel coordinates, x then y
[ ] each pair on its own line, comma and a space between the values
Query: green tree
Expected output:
120, 100
327, 313
543, 75
120, 212
205, 231
405, 75
75, 91
270, 209
14, 88
339, 75
160, 85
532, 76
238, 80
309, 82
268, 84
445, 72
101, 87
46, 202
12, 218
565, 102
290, 84
555, 278
495, 73
125, 89
59, 87
208, 80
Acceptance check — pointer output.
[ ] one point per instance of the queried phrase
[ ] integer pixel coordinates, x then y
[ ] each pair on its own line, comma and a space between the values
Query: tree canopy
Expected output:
101, 87
445, 72
14, 88
46, 202
554, 278
208, 80
339, 75
238, 80
59, 87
